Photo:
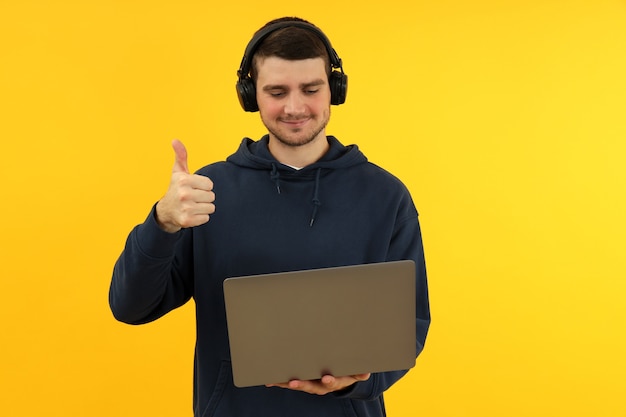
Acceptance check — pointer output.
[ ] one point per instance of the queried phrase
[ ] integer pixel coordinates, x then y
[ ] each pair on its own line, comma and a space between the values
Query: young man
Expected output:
295, 199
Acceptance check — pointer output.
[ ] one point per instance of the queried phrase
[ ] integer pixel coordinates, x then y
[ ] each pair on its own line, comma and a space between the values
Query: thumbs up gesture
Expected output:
189, 198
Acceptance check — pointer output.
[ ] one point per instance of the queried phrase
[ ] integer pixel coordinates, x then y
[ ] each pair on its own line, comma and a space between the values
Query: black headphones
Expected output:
246, 90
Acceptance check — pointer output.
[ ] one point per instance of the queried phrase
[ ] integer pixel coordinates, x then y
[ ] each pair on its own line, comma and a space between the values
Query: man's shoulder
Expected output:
215, 168
378, 173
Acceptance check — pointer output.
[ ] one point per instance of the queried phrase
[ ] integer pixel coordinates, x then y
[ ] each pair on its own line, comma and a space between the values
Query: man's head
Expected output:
293, 39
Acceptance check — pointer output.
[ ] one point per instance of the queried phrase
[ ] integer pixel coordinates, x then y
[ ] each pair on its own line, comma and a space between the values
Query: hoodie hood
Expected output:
256, 155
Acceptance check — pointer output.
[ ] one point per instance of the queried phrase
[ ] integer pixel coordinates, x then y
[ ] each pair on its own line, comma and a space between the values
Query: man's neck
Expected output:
299, 156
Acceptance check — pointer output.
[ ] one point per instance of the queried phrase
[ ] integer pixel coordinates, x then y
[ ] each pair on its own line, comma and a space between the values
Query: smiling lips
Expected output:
295, 123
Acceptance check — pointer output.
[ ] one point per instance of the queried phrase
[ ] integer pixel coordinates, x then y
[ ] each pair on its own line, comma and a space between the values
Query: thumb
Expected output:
180, 164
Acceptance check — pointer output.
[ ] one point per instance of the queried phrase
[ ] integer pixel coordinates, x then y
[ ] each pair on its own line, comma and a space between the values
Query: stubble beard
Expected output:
296, 142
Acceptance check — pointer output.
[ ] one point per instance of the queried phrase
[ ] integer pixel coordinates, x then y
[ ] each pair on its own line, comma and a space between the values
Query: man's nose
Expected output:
295, 104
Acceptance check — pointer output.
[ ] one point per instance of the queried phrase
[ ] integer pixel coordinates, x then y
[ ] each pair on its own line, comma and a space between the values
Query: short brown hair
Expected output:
291, 43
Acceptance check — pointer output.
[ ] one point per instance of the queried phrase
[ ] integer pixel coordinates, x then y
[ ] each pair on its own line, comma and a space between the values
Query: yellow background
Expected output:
506, 119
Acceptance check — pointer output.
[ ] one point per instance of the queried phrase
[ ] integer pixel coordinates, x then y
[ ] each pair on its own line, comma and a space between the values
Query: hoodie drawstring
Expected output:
316, 201
275, 176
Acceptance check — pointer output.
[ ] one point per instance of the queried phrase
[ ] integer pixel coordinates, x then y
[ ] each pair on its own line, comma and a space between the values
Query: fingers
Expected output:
325, 385
189, 200
197, 182
191, 181
332, 383
180, 163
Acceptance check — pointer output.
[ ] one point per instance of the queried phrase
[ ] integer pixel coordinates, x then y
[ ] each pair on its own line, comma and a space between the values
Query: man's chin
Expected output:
294, 139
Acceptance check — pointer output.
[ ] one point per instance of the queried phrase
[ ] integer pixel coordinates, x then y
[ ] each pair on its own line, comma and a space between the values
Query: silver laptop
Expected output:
306, 324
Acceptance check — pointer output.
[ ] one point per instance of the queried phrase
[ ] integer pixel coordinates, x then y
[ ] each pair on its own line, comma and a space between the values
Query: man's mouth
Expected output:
295, 123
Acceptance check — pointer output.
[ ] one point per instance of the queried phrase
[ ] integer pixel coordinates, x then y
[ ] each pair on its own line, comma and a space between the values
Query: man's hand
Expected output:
323, 386
189, 199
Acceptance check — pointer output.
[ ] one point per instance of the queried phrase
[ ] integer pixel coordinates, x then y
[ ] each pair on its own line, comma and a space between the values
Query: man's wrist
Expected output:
166, 226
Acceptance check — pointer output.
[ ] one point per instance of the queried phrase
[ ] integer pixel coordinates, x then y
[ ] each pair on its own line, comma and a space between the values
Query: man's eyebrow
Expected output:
274, 87
314, 83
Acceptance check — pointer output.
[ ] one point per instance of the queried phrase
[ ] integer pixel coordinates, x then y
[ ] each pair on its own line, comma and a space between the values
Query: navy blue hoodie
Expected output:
341, 210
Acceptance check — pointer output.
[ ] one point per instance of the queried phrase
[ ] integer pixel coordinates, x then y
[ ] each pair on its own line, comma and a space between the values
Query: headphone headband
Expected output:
246, 89
255, 42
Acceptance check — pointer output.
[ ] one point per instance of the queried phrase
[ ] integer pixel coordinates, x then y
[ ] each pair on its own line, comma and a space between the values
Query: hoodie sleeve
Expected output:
148, 279
405, 244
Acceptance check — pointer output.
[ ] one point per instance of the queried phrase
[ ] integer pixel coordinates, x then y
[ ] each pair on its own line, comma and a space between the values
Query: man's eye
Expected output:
312, 91
276, 93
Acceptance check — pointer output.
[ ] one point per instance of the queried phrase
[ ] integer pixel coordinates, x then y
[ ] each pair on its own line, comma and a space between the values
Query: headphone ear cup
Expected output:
338, 82
246, 92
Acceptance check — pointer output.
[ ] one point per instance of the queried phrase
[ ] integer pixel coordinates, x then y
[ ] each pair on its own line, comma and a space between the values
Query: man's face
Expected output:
293, 99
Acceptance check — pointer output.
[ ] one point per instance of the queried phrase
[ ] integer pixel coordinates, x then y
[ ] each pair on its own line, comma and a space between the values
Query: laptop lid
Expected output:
306, 324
